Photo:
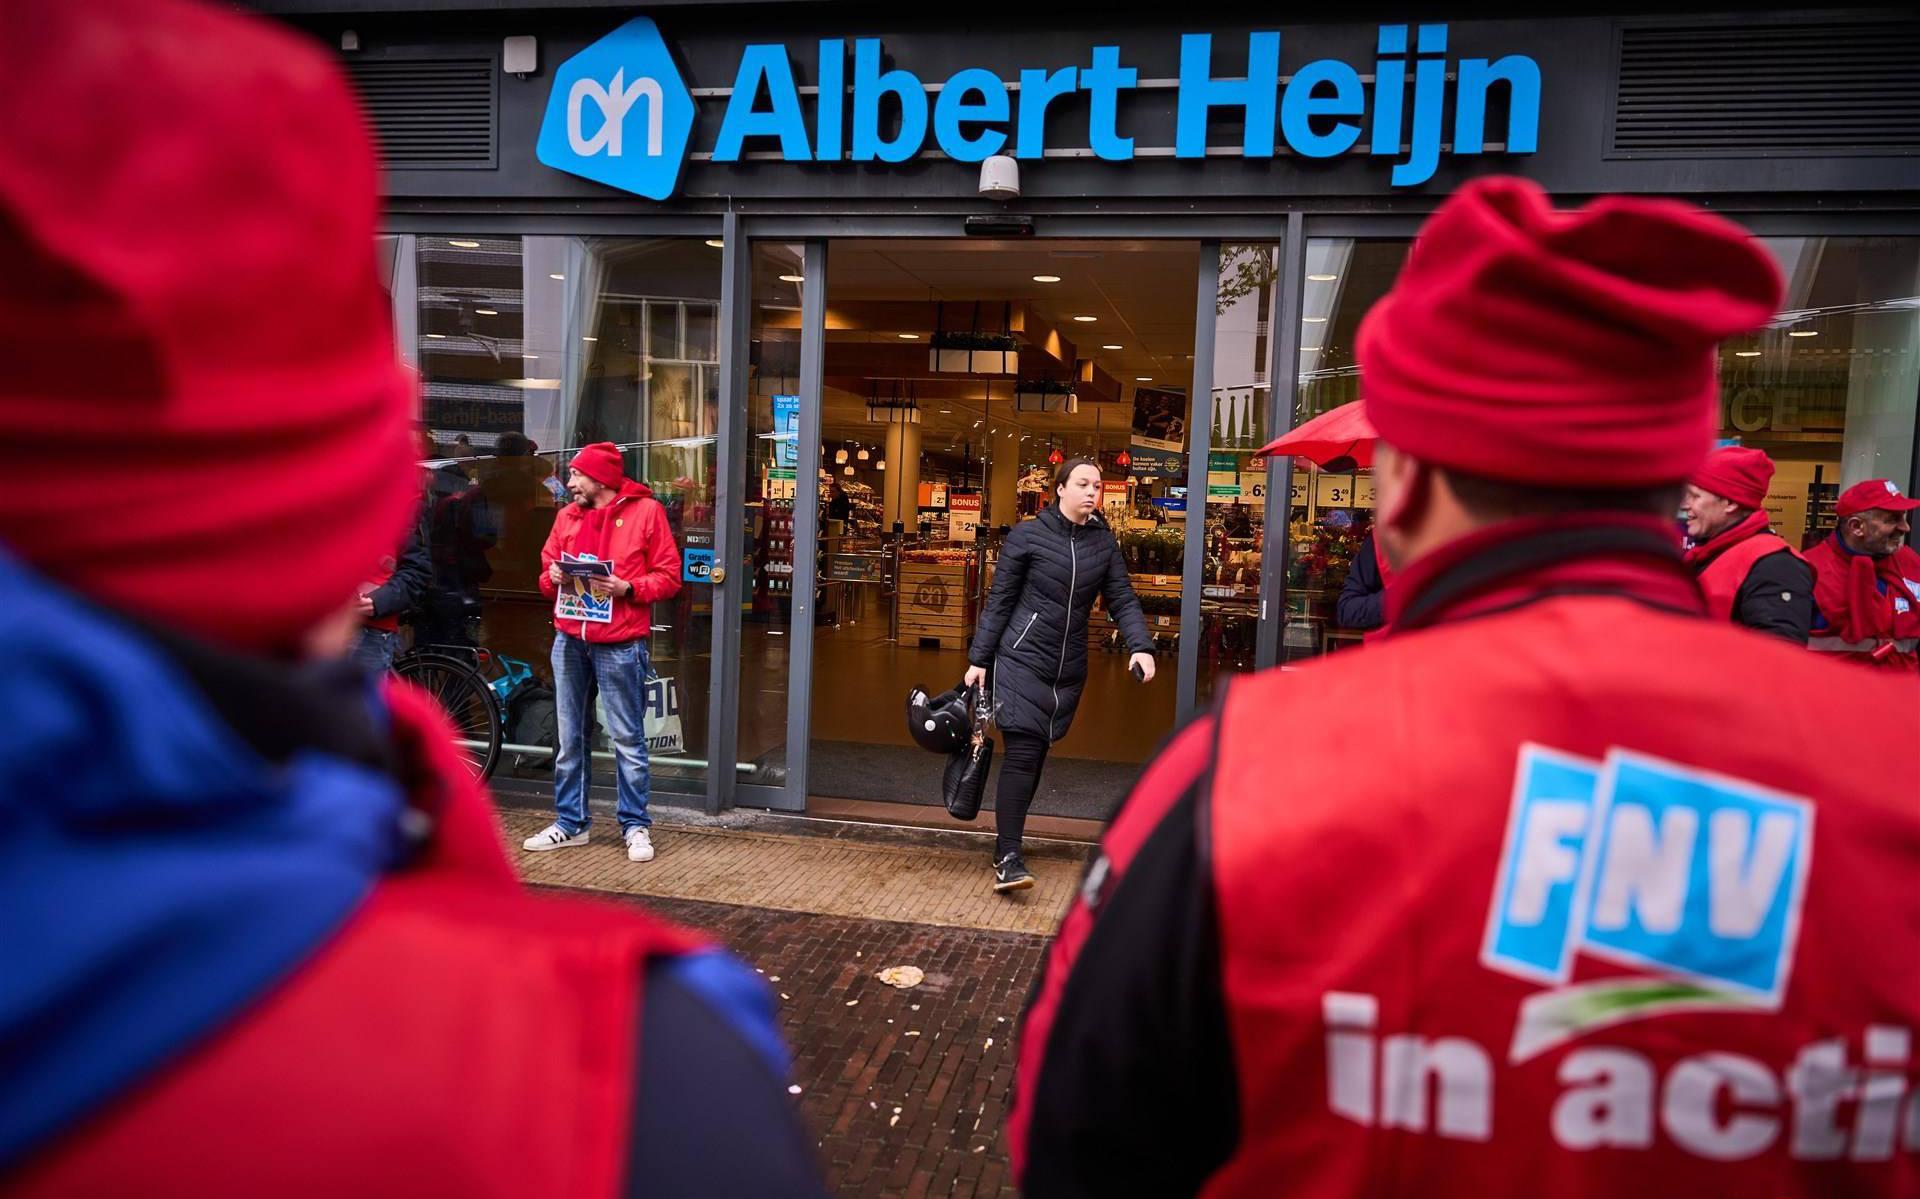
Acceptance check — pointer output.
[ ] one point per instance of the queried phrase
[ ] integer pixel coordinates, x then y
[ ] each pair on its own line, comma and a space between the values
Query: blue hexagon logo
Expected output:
619, 113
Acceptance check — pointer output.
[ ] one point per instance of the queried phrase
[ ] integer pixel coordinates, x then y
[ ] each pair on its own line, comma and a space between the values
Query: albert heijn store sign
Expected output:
621, 114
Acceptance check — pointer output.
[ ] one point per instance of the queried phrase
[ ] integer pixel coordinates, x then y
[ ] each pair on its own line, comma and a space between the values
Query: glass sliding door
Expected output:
1233, 515
777, 521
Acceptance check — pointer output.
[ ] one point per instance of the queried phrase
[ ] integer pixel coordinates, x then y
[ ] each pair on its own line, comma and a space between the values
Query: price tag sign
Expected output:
1363, 491
1333, 491
1297, 493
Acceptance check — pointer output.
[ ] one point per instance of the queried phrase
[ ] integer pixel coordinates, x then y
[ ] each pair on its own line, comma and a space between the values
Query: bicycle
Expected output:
464, 694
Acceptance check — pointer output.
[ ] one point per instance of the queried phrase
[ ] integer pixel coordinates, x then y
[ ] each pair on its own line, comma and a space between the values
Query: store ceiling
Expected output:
1141, 295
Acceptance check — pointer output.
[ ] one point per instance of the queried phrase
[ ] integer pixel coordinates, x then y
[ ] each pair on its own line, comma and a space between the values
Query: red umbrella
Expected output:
1344, 432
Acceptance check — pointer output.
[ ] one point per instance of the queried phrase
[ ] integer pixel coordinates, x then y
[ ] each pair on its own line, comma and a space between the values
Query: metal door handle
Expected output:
718, 574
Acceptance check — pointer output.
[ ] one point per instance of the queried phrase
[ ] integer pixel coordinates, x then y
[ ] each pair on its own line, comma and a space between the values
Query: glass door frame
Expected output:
724, 788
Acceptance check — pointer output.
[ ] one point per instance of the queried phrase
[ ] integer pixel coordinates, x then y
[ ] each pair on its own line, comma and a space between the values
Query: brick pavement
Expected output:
804, 874
905, 1091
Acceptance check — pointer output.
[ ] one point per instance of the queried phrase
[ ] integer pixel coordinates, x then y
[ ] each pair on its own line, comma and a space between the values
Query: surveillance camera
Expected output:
1000, 178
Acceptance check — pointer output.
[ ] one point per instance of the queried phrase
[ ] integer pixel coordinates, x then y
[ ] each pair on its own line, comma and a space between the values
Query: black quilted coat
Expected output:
1033, 633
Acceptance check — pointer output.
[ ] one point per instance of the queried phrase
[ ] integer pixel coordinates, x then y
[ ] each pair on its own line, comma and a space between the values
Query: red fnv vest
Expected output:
1584, 906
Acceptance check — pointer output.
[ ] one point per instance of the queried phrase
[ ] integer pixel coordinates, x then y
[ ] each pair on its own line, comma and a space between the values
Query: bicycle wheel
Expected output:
467, 701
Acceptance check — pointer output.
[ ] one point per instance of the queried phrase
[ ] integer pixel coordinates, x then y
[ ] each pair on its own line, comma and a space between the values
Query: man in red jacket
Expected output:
601, 622
1867, 580
1584, 905
258, 935
1747, 573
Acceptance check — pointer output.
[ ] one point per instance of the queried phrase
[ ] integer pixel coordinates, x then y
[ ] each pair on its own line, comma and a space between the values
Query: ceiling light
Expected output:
1309, 349
908, 336
839, 457
1046, 278
1314, 320
486, 312
1322, 278
1086, 320
863, 455
848, 471
1803, 333
716, 243
556, 275
880, 465
438, 336
1113, 347
1746, 353
1143, 378
465, 245
793, 279
589, 339
531, 357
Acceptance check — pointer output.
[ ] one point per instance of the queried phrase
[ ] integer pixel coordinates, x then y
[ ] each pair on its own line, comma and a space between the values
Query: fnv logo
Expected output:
620, 114
1692, 876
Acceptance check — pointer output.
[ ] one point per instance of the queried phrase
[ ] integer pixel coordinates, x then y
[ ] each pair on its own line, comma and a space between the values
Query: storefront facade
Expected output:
752, 245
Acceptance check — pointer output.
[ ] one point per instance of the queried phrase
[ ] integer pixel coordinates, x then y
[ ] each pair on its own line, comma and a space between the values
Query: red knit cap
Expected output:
206, 423
1572, 349
1736, 473
601, 463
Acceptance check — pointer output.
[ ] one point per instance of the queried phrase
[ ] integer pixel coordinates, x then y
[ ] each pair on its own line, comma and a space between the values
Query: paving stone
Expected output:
854, 1068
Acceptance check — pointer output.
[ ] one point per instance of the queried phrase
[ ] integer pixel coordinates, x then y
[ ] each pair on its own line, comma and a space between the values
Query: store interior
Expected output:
955, 373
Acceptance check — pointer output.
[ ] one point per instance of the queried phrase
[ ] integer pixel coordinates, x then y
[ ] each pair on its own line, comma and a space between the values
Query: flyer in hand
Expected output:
576, 600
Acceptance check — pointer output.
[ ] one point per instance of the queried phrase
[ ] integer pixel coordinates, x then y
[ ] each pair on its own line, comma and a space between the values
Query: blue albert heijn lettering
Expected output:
620, 114
1652, 864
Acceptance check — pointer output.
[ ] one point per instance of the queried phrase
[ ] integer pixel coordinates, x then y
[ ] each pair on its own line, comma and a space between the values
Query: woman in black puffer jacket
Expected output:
1033, 635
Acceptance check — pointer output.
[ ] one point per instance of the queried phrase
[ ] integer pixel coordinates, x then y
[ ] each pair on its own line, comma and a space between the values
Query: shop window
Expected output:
529, 348
1828, 390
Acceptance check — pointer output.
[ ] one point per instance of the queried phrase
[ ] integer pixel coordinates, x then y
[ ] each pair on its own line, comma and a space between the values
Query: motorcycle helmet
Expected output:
943, 723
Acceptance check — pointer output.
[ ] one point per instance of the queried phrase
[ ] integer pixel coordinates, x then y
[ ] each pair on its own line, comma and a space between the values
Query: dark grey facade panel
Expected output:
1583, 148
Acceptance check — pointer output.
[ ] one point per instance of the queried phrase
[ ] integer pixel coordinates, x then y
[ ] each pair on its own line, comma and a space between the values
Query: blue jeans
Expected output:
621, 670
374, 650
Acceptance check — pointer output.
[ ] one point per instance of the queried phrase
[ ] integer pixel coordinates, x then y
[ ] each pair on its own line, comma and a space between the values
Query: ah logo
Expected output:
619, 113
1653, 864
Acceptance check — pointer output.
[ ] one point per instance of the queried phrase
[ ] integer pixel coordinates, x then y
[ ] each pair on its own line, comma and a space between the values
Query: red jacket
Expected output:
1871, 605
461, 1036
632, 532
1526, 919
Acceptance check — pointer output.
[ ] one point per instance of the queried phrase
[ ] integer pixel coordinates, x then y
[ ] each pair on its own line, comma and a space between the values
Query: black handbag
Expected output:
964, 782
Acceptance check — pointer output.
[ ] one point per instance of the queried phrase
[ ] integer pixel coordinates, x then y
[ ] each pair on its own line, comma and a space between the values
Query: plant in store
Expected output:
973, 351
1045, 395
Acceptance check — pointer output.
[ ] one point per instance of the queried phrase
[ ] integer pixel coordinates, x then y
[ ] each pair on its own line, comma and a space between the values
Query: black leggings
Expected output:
1020, 767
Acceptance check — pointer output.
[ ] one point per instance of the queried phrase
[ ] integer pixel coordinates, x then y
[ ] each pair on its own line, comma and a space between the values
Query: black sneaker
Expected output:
1011, 874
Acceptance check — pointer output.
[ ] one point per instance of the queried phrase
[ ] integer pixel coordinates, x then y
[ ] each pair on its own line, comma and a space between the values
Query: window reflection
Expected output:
529, 348
1828, 390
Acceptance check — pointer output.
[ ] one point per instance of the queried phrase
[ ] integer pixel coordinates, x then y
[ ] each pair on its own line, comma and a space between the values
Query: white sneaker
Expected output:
554, 837
639, 845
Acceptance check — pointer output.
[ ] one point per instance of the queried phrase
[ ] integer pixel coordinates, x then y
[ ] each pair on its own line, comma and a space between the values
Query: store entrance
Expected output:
956, 374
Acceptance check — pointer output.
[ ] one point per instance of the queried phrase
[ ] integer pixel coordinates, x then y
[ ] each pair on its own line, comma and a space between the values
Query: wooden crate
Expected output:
934, 603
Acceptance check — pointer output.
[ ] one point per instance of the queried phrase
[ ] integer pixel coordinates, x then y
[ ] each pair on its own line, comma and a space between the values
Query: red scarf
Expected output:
1698, 556
1853, 601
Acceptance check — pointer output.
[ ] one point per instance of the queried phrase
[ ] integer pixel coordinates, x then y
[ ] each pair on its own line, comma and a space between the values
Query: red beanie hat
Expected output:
206, 423
601, 463
1736, 473
1572, 349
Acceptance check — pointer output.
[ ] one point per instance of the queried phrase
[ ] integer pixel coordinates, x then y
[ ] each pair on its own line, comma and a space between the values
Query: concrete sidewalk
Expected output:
832, 877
